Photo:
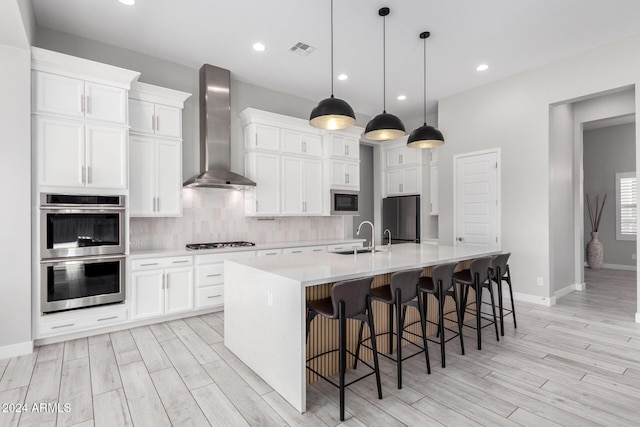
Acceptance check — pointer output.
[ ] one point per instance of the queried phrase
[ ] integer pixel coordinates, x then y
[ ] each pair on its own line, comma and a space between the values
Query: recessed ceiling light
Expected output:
259, 47
402, 97
343, 77
128, 2
482, 67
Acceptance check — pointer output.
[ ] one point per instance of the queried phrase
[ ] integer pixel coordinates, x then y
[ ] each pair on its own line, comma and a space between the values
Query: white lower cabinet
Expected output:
344, 247
210, 277
304, 249
161, 286
81, 320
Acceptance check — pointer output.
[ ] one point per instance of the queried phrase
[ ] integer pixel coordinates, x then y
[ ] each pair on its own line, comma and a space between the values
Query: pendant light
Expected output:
332, 113
384, 126
425, 136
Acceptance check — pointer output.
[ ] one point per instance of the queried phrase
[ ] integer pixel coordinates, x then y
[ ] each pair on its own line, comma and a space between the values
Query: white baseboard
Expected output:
620, 267
568, 289
637, 317
546, 301
616, 266
13, 350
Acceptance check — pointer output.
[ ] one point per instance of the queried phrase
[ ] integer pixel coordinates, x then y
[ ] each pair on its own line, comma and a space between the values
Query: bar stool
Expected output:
401, 293
349, 300
501, 273
441, 285
478, 278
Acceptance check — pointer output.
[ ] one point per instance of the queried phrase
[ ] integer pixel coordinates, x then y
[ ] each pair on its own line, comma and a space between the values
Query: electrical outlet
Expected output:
634, 256
540, 281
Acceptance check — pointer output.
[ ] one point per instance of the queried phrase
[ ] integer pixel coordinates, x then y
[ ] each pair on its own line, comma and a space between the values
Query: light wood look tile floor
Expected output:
574, 364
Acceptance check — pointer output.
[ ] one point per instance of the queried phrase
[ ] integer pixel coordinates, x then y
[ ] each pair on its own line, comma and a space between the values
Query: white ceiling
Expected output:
509, 35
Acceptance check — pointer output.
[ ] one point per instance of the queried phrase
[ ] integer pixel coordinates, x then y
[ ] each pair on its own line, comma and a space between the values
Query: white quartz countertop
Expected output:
260, 246
330, 267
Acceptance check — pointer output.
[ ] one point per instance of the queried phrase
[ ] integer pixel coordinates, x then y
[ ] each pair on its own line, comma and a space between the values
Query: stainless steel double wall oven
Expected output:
82, 251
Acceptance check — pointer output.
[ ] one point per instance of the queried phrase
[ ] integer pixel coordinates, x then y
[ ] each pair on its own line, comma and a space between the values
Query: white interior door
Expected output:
477, 199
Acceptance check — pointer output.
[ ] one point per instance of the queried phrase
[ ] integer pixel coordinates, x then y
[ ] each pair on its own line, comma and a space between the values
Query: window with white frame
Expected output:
626, 209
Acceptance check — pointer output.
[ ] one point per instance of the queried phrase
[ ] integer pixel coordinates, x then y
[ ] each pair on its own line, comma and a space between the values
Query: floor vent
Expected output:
302, 49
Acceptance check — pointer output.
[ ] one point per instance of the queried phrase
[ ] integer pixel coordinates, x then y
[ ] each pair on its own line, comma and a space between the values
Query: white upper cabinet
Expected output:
162, 120
296, 142
80, 121
295, 166
342, 146
401, 156
264, 169
106, 151
404, 169
60, 148
155, 176
344, 174
262, 137
72, 154
301, 186
155, 165
74, 98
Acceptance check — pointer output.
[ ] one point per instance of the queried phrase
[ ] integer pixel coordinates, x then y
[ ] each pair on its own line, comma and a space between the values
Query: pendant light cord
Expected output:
425, 82
384, 64
332, 48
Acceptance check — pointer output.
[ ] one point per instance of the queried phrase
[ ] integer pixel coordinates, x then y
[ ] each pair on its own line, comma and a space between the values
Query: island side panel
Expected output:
264, 327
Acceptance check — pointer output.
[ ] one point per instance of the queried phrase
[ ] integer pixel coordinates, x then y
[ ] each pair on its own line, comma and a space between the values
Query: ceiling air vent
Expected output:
302, 49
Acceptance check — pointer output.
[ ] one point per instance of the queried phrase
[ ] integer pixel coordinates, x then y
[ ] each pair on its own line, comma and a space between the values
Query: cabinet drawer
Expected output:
305, 249
265, 252
210, 274
344, 247
210, 296
156, 263
213, 258
71, 324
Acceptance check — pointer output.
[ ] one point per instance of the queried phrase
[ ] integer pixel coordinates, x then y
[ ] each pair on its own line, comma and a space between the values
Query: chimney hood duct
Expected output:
215, 133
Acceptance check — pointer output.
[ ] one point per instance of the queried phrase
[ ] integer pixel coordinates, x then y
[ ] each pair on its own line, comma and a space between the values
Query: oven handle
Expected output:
70, 210
82, 260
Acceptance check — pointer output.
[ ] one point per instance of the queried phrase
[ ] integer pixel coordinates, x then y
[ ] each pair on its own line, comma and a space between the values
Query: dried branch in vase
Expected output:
595, 211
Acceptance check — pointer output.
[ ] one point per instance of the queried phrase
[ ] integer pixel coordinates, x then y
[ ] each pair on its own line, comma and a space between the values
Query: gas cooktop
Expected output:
218, 245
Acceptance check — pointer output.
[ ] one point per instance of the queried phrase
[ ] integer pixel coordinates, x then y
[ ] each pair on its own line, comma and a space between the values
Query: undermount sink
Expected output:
359, 251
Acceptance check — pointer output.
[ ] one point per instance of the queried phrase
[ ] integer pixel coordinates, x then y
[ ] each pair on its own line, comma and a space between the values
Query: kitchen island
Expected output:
265, 304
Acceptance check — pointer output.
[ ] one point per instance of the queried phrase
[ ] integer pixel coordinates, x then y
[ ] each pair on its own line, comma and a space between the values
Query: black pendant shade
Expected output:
333, 114
384, 126
425, 136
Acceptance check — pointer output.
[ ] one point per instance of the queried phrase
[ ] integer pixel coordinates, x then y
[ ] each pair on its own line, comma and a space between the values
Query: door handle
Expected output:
460, 239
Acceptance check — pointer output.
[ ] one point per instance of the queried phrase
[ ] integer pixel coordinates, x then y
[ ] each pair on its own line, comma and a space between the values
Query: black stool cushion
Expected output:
323, 307
427, 285
463, 277
383, 293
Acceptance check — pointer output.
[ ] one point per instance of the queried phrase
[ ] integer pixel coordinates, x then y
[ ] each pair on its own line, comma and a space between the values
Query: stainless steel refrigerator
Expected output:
401, 215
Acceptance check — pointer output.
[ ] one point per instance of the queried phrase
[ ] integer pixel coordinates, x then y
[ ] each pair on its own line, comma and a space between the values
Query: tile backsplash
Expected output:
217, 215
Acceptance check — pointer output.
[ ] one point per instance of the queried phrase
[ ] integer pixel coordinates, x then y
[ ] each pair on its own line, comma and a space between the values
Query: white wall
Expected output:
15, 183
561, 208
514, 114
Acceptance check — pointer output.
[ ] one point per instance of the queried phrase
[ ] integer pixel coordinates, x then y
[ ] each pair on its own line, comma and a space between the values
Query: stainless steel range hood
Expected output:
215, 133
